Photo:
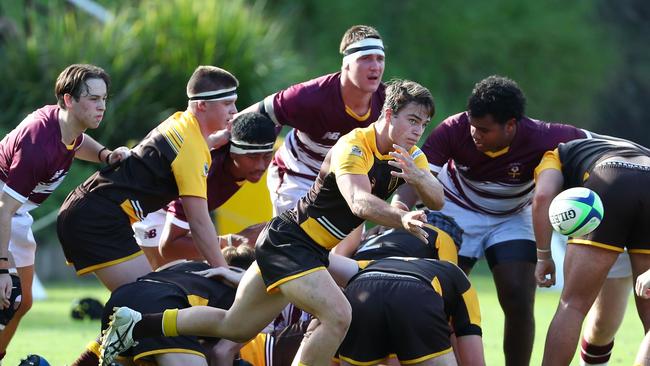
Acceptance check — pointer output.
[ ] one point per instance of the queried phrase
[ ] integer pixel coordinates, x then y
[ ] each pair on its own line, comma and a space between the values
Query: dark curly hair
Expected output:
253, 128
498, 96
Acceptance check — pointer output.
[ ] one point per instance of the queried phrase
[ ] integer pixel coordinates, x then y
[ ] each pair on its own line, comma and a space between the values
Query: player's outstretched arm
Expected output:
356, 190
203, 233
548, 185
91, 150
427, 187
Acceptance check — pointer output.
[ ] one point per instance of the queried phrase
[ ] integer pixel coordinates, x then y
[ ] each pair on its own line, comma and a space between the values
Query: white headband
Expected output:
241, 147
366, 46
221, 94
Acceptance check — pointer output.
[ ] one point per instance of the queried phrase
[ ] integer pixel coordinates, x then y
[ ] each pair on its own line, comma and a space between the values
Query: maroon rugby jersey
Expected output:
221, 184
33, 159
500, 184
316, 111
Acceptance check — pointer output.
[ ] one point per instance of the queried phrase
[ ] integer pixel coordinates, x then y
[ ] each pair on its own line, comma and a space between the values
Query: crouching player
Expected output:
178, 286
404, 306
443, 241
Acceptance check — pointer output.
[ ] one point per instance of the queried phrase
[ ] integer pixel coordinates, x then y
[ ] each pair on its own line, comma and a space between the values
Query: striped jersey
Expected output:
33, 159
495, 183
323, 213
319, 117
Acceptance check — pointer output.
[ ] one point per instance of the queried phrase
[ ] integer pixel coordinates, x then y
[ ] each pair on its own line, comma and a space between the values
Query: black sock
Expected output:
149, 326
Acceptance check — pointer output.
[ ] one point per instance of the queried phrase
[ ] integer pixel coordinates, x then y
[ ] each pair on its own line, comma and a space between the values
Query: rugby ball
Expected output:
576, 212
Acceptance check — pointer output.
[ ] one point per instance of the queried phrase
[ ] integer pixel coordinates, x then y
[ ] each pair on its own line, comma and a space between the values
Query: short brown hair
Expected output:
399, 93
242, 256
73, 79
208, 78
357, 33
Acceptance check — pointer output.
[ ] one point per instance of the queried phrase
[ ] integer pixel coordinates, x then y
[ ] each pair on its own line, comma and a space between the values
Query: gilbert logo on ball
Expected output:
576, 212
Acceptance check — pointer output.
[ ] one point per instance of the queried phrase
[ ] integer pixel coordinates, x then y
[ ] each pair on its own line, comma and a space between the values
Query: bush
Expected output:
150, 49
557, 51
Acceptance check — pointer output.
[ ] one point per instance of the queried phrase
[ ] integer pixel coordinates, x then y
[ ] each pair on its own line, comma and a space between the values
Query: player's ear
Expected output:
388, 113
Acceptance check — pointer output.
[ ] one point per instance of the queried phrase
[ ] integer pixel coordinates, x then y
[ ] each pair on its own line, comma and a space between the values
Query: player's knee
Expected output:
574, 304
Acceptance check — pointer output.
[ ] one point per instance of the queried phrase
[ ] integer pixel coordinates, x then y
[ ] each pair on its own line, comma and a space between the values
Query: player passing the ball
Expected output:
612, 168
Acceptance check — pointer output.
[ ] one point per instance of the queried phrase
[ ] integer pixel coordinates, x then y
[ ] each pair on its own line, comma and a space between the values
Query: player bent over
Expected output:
613, 168
405, 306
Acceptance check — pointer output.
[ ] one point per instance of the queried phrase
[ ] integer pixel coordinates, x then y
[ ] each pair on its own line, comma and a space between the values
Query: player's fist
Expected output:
643, 285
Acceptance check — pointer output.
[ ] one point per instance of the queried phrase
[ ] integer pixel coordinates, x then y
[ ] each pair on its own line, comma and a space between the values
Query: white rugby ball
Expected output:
576, 212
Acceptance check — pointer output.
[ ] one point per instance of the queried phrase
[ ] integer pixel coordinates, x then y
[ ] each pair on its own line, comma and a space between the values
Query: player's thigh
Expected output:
585, 270
124, 272
448, 359
175, 359
318, 294
254, 307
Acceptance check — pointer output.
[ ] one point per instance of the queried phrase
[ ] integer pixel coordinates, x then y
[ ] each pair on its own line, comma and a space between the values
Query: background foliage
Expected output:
581, 62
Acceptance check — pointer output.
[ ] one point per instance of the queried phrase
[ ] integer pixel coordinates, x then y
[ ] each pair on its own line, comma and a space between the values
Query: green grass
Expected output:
48, 329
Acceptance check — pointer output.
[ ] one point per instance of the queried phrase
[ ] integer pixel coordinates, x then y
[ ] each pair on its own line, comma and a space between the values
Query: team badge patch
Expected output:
206, 169
356, 151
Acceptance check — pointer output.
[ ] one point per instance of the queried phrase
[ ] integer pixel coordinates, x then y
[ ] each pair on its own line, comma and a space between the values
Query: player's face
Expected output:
489, 135
89, 110
219, 113
408, 125
251, 166
366, 72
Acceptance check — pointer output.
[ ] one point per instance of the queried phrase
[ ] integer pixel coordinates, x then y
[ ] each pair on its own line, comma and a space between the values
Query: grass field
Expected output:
49, 330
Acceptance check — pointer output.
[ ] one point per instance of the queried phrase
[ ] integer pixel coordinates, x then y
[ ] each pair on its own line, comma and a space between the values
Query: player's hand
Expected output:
642, 287
545, 272
403, 160
5, 290
219, 138
413, 221
230, 276
119, 154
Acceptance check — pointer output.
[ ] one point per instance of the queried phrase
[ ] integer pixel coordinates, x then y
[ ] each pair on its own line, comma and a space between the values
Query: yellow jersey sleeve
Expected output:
550, 160
419, 158
192, 162
351, 156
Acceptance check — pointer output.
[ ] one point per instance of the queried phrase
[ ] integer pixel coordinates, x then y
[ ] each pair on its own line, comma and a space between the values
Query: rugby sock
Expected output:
90, 357
593, 355
151, 325
169, 323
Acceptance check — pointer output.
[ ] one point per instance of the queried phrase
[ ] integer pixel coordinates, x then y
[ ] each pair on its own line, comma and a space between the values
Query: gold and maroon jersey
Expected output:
576, 159
493, 183
323, 213
172, 161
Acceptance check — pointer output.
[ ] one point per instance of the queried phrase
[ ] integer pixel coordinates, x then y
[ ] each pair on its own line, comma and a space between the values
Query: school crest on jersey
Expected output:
356, 150
514, 171
206, 169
